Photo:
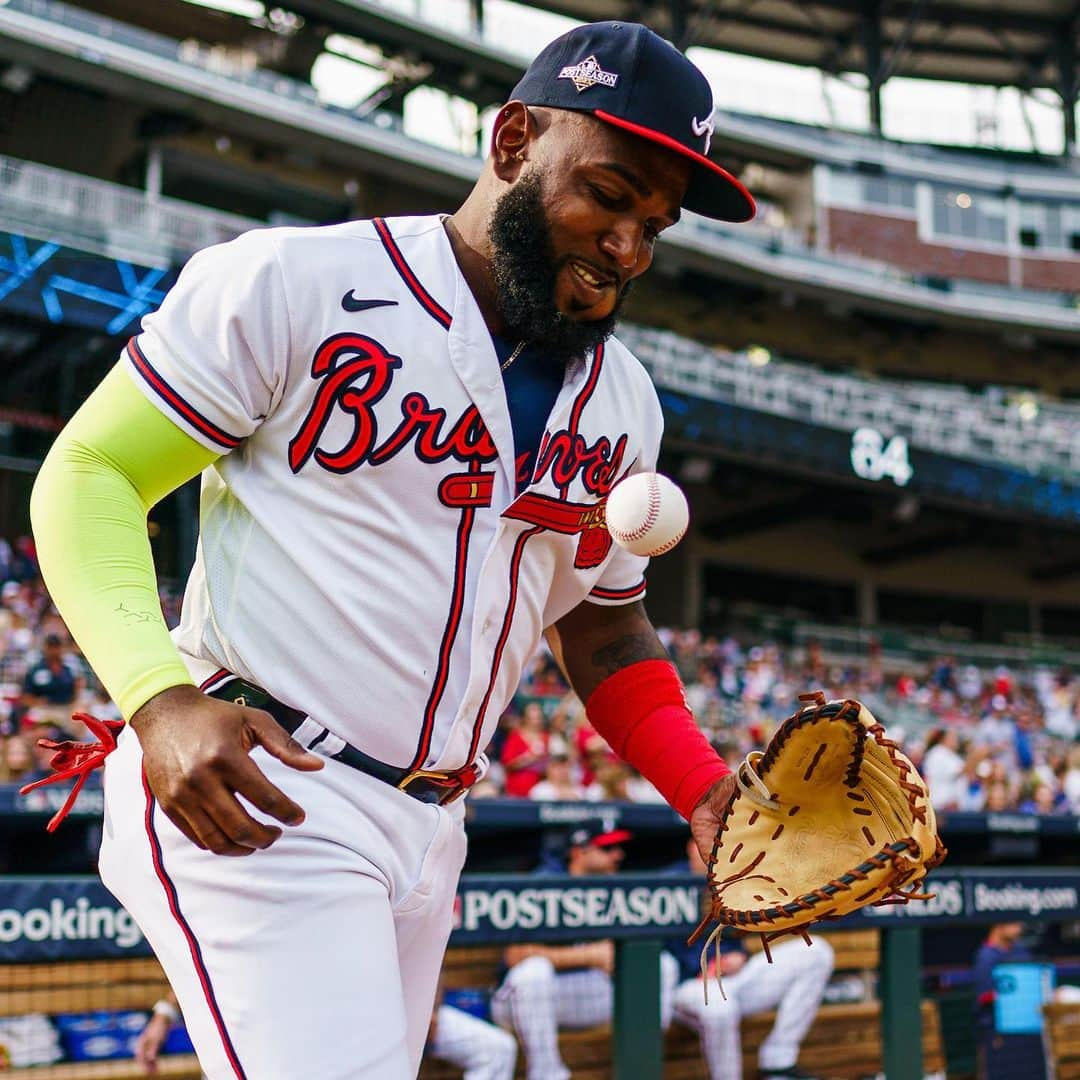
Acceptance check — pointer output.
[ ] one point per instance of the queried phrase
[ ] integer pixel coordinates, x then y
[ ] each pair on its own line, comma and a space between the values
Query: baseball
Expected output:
647, 514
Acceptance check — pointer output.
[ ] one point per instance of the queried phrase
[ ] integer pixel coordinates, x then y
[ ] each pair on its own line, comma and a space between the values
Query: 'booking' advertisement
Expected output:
65, 919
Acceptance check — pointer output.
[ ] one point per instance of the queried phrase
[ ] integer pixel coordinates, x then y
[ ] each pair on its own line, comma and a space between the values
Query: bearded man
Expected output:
405, 430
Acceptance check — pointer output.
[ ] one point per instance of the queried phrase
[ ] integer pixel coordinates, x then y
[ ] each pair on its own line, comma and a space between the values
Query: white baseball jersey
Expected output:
363, 555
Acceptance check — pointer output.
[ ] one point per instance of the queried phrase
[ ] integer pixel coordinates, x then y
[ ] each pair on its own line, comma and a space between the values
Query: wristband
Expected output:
166, 1008
641, 710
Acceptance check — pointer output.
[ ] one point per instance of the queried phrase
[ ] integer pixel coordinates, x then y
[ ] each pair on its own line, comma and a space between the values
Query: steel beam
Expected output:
639, 1041
901, 1014
871, 34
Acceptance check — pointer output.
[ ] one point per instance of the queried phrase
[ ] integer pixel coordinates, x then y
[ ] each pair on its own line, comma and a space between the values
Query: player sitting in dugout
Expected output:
481, 1050
551, 987
548, 987
793, 985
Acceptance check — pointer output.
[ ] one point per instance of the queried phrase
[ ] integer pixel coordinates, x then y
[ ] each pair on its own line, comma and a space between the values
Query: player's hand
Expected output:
150, 1041
732, 962
705, 819
602, 956
514, 954
196, 753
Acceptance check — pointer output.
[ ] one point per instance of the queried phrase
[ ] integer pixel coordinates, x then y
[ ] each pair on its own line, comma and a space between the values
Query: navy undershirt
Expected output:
532, 383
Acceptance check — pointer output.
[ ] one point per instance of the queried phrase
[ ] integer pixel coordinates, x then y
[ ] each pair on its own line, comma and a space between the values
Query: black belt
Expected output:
426, 785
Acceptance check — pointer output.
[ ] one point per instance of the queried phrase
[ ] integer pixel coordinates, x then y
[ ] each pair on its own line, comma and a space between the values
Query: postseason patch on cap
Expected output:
641, 83
579, 838
589, 73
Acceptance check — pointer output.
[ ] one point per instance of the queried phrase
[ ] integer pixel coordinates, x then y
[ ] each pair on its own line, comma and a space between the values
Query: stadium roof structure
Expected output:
1024, 43
1029, 44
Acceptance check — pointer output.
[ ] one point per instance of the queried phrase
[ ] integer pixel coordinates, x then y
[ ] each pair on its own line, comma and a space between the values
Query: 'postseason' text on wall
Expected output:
502, 909
77, 918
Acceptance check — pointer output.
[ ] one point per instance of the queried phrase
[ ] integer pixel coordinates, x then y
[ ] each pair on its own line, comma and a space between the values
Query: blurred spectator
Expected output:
37, 729
1071, 783
24, 565
996, 729
546, 679
592, 750
558, 784
102, 707
684, 653
1043, 800
703, 690
988, 738
943, 769
977, 769
1002, 945
998, 798
525, 752
559, 731
611, 783
17, 764
641, 791
53, 680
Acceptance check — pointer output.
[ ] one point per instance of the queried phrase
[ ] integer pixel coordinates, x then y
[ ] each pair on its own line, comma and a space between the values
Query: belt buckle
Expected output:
438, 779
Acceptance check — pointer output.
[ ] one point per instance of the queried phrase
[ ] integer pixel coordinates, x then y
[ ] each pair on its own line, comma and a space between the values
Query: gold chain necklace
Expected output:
513, 356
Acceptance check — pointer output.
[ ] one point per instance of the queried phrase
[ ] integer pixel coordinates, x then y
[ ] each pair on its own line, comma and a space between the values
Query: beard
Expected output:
525, 268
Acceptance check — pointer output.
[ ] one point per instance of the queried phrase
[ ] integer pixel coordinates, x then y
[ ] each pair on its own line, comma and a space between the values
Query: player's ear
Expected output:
510, 139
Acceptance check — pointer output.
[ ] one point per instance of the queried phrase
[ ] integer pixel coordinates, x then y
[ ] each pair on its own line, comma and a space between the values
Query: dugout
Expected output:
68, 947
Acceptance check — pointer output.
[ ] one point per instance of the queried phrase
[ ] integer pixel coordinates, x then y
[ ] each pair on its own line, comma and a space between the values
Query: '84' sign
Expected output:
875, 458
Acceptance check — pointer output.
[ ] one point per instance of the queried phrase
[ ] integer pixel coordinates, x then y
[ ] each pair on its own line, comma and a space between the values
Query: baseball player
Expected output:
406, 430
792, 984
548, 987
480, 1049
163, 1017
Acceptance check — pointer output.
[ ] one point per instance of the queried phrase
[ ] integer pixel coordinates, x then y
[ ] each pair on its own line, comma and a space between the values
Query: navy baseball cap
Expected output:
598, 834
624, 74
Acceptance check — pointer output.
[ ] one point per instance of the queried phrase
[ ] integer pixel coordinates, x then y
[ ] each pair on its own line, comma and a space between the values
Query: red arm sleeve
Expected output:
641, 710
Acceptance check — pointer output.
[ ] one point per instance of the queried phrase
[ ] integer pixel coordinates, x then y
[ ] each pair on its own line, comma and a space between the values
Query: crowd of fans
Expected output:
986, 739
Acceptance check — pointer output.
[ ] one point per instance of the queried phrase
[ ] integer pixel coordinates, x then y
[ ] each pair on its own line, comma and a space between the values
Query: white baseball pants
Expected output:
536, 1001
482, 1050
792, 984
318, 957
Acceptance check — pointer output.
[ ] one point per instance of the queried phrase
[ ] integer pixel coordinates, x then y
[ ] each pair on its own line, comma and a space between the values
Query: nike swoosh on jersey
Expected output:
350, 303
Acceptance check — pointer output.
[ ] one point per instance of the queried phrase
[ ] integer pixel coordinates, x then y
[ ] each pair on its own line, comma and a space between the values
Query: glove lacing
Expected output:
751, 784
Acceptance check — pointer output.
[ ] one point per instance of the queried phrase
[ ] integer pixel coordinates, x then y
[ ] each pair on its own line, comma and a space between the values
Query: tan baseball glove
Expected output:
830, 818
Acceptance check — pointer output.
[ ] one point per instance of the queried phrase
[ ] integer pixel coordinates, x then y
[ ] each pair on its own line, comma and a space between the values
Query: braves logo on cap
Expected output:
589, 73
703, 127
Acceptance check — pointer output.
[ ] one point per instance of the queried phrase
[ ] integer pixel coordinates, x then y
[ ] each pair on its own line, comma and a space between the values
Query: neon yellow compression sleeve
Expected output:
117, 457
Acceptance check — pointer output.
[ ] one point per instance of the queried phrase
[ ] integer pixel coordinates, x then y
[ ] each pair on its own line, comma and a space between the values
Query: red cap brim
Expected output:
609, 839
713, 191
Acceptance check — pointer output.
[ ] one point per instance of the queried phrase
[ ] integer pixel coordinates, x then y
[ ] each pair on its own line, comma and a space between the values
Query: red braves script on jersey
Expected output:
367, 526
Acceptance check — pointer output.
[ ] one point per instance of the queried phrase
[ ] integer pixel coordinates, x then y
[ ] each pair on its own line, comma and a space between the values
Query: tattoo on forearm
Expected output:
130, 615
628, 650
